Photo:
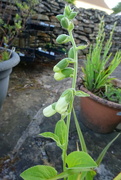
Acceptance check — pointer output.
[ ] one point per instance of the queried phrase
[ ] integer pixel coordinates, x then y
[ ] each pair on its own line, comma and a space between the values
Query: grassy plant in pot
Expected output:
101, 110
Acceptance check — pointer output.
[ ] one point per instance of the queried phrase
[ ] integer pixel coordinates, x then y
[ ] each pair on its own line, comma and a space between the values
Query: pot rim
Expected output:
10, 63
101, 100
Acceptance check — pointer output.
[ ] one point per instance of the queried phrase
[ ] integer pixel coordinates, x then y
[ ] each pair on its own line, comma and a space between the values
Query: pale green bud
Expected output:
70, 60
71, 26
65, 22
58, 76
68, 94
49, 110
72, 15
63, 38
67, 11
63, 102
67, 72
59, 17
71, 53
61, 65
61, 105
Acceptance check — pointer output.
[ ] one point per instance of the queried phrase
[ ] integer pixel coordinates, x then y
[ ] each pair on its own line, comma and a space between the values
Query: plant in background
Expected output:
12, 24
98, 65
113, 93
70, 1
78, 165
117, 8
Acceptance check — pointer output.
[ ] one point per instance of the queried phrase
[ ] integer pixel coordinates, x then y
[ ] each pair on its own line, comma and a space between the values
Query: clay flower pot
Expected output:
98, 114
5, 70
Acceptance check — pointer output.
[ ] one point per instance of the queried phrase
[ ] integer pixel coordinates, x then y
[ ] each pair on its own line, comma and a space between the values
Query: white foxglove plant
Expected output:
77, 165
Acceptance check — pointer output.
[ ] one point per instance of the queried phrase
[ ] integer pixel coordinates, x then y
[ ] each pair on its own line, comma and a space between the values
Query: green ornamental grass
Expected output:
100, 63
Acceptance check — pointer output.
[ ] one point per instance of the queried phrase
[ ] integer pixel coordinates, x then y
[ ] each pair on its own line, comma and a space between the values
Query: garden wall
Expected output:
86, 24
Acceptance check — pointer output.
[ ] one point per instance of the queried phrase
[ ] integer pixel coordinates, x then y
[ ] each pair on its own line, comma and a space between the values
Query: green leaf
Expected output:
61, 131
74, 176
80, 135
82, 47
52, 136
118, 177
102, 154
39, 172
1, 22
80, 159
81, 94
90, 175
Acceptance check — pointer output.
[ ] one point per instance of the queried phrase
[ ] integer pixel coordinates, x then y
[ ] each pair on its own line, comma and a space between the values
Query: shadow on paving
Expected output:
32, 88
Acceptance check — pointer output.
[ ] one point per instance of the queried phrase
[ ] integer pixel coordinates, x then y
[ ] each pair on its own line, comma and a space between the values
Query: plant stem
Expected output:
73, 86
74, 78
76, 60
80, 135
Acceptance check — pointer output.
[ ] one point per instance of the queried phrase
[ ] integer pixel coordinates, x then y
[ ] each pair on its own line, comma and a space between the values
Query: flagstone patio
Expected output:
32, 88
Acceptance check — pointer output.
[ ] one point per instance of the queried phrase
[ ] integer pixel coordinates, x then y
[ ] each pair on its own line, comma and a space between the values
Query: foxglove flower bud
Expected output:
59, 17
65, 22
67, 11
62, 105
72, 15
71, 53
49, 110
64, 100
61, 65
71, 26
63, 38
67, 72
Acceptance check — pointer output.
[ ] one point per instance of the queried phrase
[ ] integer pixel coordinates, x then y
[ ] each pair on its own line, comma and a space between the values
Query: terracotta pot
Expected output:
98, 114
5, 70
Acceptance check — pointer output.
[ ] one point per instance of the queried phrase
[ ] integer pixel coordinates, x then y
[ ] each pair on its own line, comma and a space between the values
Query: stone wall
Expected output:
86, 25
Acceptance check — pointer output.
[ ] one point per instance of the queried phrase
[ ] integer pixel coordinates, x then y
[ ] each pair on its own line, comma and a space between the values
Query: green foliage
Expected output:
11, 27
118, 177
77, 165
60, 134
117, 8
39, 173
80, 159
113, 93
70, 1
98, 66
4, 55
102, 154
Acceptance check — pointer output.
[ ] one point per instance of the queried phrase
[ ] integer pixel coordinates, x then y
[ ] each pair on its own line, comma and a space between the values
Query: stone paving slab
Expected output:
21, 120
